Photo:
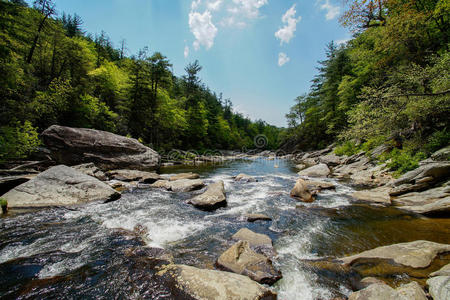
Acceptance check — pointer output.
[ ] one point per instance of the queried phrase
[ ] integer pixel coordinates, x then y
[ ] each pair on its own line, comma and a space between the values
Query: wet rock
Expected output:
301, 166
254, 239
91, 170
9, 182
366, 281
213, 198
301, 191
108, 151
190, 282
381, 291
318, 186
439, 287
378, 195
417, 254
320, 170
179, 186
60, 185
242, 260
180, 176
421, 178
257, 217
134, 175
444, 271
121, 186
435, 201
163, 184
244, 178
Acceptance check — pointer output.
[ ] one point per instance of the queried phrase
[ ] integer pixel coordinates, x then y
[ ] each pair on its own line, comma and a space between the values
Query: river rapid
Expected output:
84, 252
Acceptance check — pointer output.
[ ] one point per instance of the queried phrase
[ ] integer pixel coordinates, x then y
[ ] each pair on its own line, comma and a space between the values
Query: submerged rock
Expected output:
320, 170
244, 178
213, 198
60, 185
242, 260
108, 151
257, 217
444, 271
205, 284
301, 191
180, 176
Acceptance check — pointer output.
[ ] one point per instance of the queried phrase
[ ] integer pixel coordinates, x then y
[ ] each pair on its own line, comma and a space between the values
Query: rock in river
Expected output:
72, 146
257, 217
320, 170
201, 284
439, 287
380, 291
244, 178
179, 176
242, 260
379, 195
301, 192
182, 185
60, 185
213, 198
134, 175
254, 239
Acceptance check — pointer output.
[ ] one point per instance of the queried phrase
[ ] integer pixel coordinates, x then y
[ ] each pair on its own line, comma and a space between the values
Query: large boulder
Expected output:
244, 178
92, 170
320, 170
442, 154
439, 287
421, 178
378, 196
434, 201
240, 259
182, 185
380, 291
134, 175
179, 176
330, 159
444, 271
301, 191
417, 254
57, 186
189, 282
72, 146
213, 198
254, 239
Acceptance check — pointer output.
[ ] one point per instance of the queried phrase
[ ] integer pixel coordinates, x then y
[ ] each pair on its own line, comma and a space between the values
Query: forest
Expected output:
389, 84
53, 72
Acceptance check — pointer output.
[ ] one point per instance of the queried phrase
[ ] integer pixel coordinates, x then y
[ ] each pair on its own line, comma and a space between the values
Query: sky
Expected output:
261, 54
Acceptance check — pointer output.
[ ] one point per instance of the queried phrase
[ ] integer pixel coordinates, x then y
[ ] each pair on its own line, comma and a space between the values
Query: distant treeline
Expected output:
52, 72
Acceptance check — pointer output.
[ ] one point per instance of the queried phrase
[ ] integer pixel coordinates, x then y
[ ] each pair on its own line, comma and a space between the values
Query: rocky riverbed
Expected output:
303, 226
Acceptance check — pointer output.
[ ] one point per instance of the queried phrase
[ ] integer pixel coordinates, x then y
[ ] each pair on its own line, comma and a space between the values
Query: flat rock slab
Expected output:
240, 259
189, 175
91, 170
378, 195
57, 186
320, 170
257, 217
380, 291
254, 239
134, 175
72, 146
417, 254
439, 287
213, 198
205, 284
182, 185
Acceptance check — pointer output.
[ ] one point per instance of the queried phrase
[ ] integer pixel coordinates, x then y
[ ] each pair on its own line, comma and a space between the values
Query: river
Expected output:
84, 252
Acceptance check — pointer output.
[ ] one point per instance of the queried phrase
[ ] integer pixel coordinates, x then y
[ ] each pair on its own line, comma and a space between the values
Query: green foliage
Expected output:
3, 202
438, 140
402, 161
347, 148
18, 142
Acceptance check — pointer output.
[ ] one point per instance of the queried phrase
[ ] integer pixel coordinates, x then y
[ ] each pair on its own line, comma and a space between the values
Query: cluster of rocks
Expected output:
425, 190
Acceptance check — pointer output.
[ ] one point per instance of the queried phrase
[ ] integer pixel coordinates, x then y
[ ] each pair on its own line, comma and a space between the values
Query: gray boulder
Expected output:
330, 159
182, 185
58, 186
7, 183
213, 198
179, 176
320, 170
91, 170
134, 175
72, 146
254, 239
378, 195
202, 284
244, 178
240, 259
380, 291
442, 154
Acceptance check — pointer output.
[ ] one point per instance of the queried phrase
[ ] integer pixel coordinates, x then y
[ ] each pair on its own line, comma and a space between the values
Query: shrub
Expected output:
438, 140
347, 148
3, 202
402, 161
18, 142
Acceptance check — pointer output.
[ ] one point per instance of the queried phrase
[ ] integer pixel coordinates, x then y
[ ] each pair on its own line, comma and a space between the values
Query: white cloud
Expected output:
286, 33
332, 10
214, 5
203, 29
282, 59
342, 41
186, 51
249, 8
195, 4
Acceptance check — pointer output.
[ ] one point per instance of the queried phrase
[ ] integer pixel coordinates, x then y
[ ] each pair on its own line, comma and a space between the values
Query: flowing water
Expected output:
91, 251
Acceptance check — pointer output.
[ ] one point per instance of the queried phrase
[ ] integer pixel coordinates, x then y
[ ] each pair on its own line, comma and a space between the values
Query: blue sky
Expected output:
241, 44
